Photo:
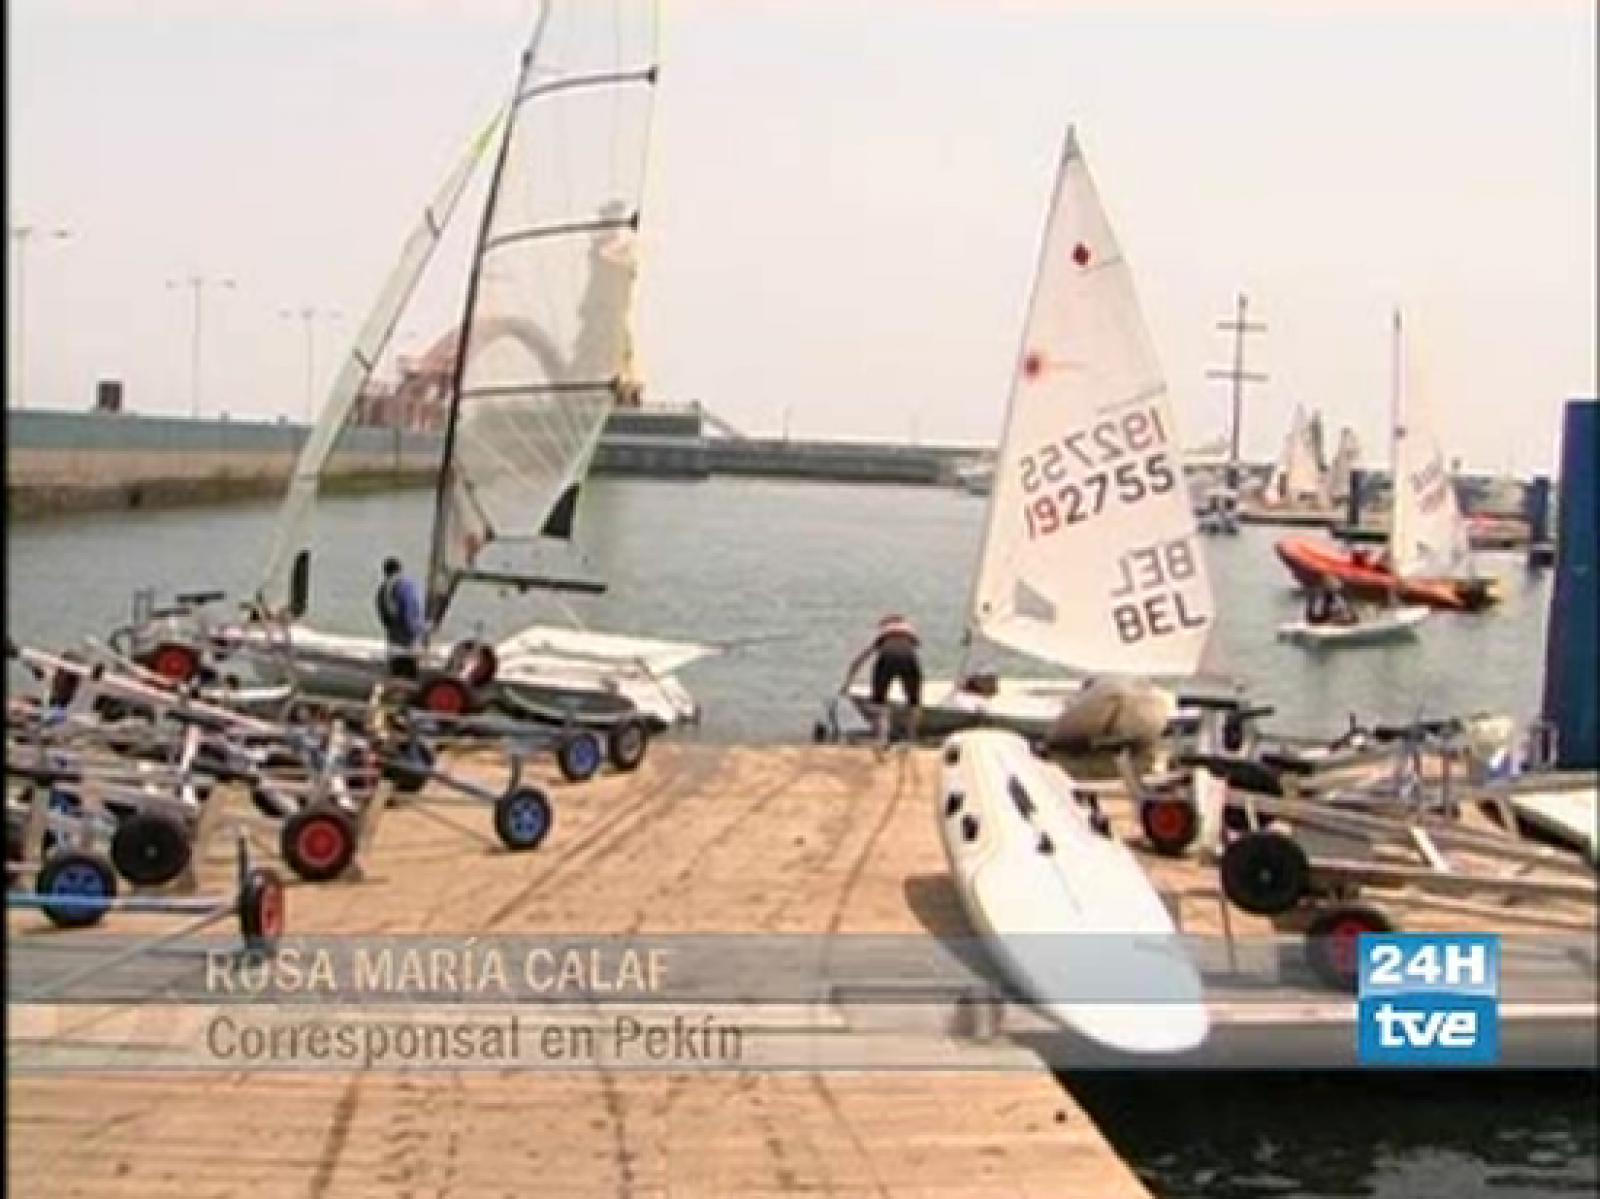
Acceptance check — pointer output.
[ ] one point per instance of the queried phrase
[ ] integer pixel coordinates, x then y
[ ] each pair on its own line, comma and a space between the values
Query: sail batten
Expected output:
1091, 558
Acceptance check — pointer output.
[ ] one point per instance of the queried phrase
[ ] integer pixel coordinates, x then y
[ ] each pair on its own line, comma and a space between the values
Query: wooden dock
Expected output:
813, 840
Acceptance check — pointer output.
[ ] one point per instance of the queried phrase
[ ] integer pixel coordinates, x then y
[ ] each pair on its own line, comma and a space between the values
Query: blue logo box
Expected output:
1429, 999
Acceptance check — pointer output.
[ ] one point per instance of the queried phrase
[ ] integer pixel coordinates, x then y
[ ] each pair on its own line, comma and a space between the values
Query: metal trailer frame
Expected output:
78, 890
624, 737
153, 841
1230, 754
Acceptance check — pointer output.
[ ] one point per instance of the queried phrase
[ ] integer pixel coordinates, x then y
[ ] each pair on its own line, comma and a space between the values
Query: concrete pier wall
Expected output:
73, 461
77, 461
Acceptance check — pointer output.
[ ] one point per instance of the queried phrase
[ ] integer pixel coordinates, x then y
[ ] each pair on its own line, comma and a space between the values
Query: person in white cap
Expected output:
895, 647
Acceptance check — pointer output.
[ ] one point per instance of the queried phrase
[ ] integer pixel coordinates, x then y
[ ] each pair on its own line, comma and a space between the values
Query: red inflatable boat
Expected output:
1364, 577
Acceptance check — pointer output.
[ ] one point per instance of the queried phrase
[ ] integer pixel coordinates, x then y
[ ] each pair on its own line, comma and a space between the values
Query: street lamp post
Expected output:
198, 284
309, 315
21, 235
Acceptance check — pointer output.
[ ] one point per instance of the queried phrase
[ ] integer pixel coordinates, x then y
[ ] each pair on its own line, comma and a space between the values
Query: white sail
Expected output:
1296, 476
1428, 538
1091, 559
293, 533
1345, 460
545, 341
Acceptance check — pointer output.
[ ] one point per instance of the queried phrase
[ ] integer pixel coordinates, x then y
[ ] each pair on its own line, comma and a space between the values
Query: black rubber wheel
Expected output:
64, 684
1265, 873
473, 662
627, 743
523, 818
1233, 730
361, 773
1333, 946
1170, 825
86, 880
410, 768
318, 843
263, 910
150, 849
579, 757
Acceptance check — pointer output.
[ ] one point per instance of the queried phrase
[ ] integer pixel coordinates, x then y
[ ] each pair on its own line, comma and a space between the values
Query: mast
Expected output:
1397, 433
1067, 153
1238, 376
438, 590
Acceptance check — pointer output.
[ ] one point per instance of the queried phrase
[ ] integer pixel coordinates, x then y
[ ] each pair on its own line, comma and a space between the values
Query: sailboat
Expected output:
1090, 560
1430, 553
544, 353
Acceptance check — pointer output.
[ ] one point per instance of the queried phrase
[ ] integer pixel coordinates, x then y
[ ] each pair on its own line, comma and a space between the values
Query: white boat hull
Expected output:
1396, 624
1065, 710
1068, 915
542, 671
1566, 811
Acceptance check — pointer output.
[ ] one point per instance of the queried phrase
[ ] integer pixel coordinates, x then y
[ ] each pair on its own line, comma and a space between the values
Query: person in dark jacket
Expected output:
400, 613
894, 650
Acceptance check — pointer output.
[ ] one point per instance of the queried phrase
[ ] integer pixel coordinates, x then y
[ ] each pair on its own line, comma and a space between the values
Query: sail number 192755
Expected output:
1070, 480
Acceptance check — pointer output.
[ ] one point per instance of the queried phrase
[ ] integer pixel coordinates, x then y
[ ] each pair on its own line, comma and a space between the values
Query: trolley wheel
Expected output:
263, 908
579, 757
175, 662
444, 696
362, 772
85, 877
1170, 825
64, 684
1333, 943
473, 662
303, 711
410, 769
627, 743
318, 843
819, 733
151, 849
1265, 873
523, 818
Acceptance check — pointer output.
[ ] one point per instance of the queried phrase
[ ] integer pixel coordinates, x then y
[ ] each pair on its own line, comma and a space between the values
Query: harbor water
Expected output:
793, 576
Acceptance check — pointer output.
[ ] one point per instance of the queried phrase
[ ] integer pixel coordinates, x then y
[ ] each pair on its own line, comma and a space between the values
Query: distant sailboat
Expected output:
1297, 479
1429, 561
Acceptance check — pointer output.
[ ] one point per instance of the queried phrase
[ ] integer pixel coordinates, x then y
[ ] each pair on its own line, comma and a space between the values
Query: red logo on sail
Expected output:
1080, 254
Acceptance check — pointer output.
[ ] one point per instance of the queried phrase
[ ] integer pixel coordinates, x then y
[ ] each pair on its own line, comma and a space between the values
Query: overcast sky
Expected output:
846, 197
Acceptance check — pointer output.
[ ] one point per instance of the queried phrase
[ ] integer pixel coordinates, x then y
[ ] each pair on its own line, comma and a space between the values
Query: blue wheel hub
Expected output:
77, 880
584, 755
528, 820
